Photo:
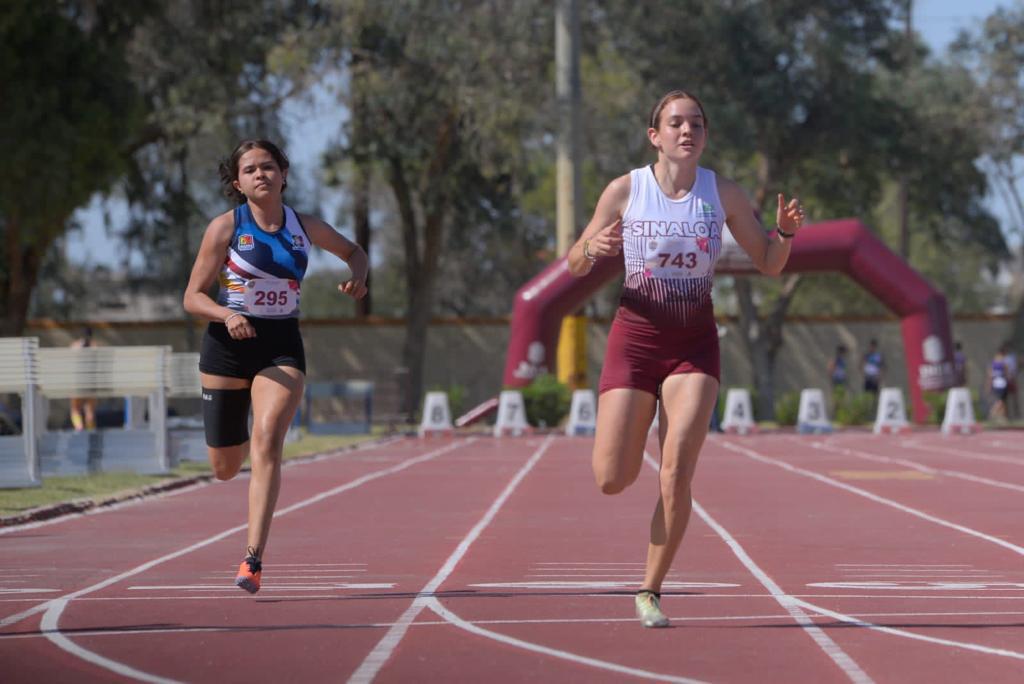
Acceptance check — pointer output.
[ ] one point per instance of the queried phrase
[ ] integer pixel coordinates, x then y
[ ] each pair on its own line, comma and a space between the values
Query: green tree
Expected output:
994, 56
798, 102
70, 114
450, 89
206, 89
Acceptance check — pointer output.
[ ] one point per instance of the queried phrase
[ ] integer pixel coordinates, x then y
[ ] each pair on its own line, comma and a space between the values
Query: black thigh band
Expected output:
226, 416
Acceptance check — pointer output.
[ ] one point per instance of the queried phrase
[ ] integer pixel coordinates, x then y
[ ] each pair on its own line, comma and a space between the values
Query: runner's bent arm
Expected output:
212, 253
603, 235
326, 237
769, 254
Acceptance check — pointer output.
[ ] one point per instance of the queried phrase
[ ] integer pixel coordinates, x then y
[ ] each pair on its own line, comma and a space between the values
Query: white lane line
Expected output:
599, 585
51, 631
474, 628
904, 565
340, 566
97, 510
988, 650
980, 574
964, 454
582, 564
55, 607
917, 585
269, 589
198, 485
506, 622
369, 668
873, 497
239, 596
844, 662
919, 467
10, 620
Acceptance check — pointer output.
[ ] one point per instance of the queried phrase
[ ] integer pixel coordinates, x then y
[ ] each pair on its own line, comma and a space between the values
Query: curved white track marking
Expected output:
55, 607
845, 663
873, 497
10, 620
910, 635
454, 619
373, 662
914, 465
52, 632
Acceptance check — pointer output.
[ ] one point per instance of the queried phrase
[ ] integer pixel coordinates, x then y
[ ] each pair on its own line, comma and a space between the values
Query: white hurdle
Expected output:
739, 412
892, 414
582, 414
107, 372
812, 416
186, 438
959, 416
19, 454
437, 416
511, 418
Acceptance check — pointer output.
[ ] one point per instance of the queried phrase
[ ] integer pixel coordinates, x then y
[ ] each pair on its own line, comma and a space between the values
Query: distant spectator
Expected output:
874, 368
83, 410
837, 368
998, 383
1012, 404
959, 365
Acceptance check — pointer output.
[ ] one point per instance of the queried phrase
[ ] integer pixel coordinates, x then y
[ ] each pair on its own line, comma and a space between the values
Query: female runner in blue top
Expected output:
252, 353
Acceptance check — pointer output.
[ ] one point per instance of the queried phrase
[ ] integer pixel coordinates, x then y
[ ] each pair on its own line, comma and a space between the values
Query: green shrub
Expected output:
456, 397
852, 408
787, 408
547, 401
936, 402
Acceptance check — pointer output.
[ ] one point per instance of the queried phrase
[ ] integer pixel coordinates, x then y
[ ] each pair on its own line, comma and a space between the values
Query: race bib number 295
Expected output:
271, 296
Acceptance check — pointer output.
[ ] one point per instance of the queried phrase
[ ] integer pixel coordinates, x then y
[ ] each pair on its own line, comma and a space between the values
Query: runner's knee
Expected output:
225, 464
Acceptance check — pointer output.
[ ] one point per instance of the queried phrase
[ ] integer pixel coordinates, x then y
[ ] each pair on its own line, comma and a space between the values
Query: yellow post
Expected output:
572, 352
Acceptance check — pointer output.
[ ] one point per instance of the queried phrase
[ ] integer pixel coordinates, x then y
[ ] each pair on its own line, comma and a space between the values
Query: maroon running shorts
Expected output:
640, 355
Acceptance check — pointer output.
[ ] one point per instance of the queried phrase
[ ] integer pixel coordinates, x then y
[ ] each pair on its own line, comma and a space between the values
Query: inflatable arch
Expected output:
845, 246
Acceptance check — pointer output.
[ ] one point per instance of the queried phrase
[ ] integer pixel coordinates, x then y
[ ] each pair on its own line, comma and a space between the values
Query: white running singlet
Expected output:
670, 247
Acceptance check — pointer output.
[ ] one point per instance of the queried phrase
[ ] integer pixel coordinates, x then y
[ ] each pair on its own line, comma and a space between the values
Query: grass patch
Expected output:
57, 490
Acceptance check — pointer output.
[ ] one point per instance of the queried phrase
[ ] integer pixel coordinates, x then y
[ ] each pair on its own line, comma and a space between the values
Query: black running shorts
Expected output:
277, 343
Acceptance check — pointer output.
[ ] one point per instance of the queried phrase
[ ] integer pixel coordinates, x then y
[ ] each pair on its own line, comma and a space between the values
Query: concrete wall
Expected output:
472, 353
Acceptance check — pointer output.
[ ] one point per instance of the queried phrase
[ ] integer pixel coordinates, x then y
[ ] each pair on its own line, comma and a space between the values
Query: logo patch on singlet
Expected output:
298, 242
246, 242
706, 210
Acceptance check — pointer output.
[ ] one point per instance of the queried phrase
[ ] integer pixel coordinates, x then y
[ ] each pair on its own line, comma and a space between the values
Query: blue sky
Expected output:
937, 21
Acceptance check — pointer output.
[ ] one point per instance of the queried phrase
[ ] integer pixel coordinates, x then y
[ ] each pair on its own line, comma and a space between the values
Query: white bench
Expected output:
19, 454
98, 372
186, 437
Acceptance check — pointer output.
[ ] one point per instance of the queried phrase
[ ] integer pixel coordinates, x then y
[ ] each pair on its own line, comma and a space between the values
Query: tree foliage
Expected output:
69, 113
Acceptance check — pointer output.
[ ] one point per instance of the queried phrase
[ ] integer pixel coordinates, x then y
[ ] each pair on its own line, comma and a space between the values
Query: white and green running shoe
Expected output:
648, 609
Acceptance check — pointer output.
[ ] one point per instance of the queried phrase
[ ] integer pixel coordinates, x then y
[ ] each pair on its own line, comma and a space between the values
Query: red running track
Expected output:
850, 557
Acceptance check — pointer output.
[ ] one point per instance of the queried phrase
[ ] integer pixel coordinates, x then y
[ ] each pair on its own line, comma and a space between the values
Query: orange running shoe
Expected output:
249, 575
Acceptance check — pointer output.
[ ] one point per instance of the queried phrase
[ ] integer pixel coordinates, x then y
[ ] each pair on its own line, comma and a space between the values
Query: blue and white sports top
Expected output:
670, 247
262, 274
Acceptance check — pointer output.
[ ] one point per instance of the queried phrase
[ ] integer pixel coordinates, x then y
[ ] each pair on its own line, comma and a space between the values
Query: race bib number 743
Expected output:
666, 257
271, 296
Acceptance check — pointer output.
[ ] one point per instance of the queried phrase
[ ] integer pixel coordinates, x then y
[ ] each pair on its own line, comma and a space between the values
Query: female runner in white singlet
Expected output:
667, 221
